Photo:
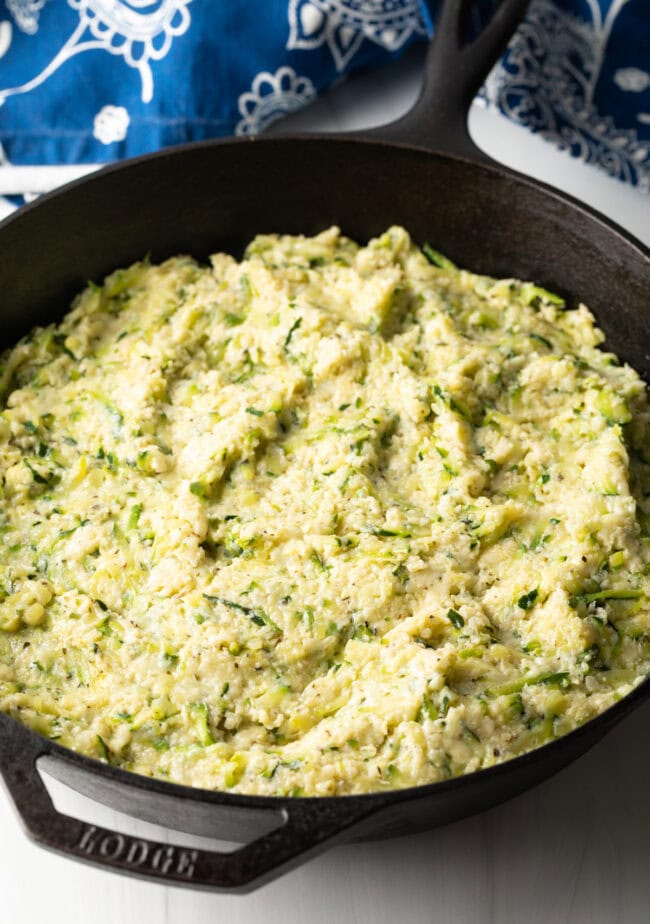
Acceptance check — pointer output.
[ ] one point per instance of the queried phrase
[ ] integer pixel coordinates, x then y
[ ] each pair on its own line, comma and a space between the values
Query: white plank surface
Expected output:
576, 850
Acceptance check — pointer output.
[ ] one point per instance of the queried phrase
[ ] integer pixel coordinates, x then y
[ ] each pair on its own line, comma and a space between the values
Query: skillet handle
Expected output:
453, 75
307, 827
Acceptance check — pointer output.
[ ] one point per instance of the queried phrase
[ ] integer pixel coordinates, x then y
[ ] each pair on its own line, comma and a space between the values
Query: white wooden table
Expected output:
576, 850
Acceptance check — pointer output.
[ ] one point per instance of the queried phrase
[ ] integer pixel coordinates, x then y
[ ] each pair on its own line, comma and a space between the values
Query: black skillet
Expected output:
215, 196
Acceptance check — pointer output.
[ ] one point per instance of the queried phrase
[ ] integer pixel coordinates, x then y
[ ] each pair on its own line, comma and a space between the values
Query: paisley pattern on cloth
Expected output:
579, 73
87, 81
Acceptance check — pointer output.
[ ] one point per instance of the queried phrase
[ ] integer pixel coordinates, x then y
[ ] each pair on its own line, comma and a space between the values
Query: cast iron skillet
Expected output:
215, 196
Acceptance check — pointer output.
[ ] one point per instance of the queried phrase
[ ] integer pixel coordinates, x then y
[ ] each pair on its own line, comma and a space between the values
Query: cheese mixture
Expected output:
330, 520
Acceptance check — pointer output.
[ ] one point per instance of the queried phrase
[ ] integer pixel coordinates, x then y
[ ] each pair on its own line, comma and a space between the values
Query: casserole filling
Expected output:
329, 520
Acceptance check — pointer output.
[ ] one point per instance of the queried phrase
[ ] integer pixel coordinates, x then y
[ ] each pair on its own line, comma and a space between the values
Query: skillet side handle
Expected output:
453, 75
306, 828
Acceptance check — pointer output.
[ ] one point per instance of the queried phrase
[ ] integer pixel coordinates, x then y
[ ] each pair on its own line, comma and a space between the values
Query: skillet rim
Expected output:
499, 170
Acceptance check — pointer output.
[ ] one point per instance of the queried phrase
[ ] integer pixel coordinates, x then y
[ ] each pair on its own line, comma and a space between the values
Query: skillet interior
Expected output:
216, 196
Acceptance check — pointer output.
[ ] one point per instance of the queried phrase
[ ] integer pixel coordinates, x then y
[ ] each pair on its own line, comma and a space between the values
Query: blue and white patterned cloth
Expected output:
86, 81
